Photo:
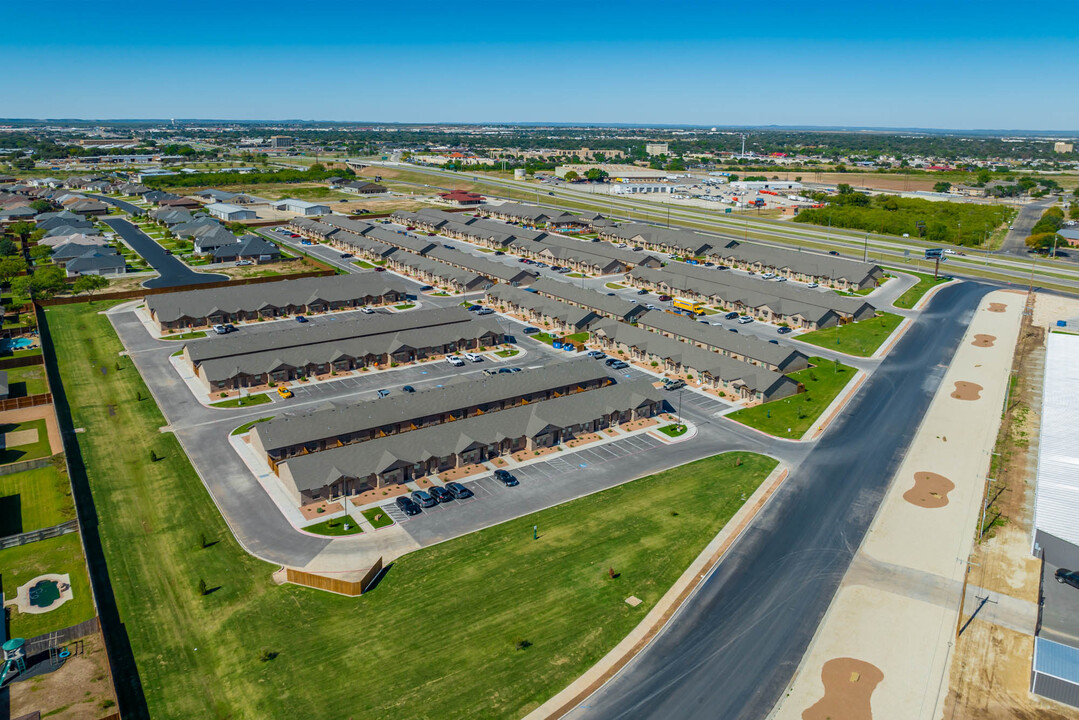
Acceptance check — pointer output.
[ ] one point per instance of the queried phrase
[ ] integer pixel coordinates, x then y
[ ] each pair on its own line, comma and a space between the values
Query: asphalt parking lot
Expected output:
538, 481
1060, 609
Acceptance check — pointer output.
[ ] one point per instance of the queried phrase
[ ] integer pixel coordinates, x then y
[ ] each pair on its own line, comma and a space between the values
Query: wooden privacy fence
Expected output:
25, 361
132, 294
334, 585
25, 402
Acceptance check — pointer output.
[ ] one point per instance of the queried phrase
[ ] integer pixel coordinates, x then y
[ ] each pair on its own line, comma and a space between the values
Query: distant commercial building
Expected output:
462, 198
229, 212
754, 185
615, 173
656, 148
282, 141
301, 207
358, 187
628, 188
1063, 147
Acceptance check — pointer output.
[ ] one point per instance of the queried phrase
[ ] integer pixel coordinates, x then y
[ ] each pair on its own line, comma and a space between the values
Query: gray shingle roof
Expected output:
316, 470
169, 307
359, 417
807, 263
584, 297
713, 336
248, 246
574, 316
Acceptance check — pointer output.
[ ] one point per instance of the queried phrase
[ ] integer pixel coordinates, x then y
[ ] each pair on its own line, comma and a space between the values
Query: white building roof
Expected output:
1057, 497
303, 204
226, 208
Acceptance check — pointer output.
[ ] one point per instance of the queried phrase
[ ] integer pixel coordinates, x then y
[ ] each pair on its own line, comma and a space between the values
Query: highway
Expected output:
1004, 267
732, 649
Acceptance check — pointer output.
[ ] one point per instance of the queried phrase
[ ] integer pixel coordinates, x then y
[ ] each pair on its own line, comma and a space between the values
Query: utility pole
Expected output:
865, 251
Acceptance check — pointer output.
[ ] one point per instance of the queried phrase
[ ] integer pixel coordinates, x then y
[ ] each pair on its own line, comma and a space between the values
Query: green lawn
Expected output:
615, 286
363, 264
56, 555
860, 338
549, 339
911, 297
335, 527
404, 306
247, 426
508, 353
673, 430
503, 585
28, 380
35, 499
576, 275
28, 451
245, 401
194, 335
822, 384
377, 517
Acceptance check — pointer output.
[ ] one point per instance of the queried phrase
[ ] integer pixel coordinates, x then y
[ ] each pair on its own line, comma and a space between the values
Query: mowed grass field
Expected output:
439, 636
911, 297
823, 382
860, 338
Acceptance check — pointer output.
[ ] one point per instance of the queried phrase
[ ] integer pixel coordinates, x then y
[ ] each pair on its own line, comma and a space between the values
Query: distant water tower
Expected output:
519, 174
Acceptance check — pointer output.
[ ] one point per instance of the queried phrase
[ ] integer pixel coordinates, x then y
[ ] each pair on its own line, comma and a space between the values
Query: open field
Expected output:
56, 555
35, 499
797, 413
859, 338
551, 597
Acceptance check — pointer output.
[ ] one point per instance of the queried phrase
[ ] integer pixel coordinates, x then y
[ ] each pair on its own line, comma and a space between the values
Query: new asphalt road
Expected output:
172, 271
733, 648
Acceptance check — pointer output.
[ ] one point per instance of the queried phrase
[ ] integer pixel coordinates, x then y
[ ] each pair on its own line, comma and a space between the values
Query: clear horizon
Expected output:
845, 66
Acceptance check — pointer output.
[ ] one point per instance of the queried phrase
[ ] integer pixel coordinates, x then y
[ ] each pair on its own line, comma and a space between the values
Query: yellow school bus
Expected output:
687, 305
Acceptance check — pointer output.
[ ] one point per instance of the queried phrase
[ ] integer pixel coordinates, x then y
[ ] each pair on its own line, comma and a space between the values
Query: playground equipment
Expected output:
14, 659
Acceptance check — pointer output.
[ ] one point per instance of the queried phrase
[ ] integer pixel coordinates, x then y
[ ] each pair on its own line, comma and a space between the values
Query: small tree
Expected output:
202, 587
89, 284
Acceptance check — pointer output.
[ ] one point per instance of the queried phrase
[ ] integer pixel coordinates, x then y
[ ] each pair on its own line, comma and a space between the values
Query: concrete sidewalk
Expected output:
894, 616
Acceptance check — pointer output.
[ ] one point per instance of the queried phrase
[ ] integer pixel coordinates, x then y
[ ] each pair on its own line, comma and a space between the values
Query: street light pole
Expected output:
865, 251
680, 391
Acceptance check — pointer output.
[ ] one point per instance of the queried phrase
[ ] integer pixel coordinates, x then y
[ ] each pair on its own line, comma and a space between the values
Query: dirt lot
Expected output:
80, 690
990, 672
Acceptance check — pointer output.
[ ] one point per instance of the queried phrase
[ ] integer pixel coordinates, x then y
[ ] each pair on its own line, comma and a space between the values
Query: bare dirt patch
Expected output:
997, 307
312, 511
984, 340
967, 391
848, 686
80, 690
930, 490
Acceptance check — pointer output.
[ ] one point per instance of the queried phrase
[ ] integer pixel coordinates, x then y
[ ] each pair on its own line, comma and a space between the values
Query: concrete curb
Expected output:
671, 602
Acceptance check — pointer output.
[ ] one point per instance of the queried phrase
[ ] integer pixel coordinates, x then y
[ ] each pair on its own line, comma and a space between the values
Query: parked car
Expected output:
734, 330
768, 275
832, 252
474, 308
596, 354
383, 393
611, 361
515, 370
490, 371
408, 389
731, 315
675, 384
504, 371
408, 506
473, 357
440, 494
380, 269
367, 311
459, 491
229, 327
530, 330
485, 311
745, 320
301, 319
284, 391
242, 263
455, 361
813, 285
619, 365
642, 291
220, 329
1068, 577
423, 498
664, 298
774, 341
345, 255
425, 288
506, 478
784, 330
293, 235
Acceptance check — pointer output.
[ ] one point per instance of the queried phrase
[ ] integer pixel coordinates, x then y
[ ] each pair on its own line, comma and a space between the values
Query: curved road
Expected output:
173, 272
732, 649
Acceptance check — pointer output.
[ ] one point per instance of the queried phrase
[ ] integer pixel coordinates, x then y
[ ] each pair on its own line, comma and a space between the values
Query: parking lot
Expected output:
537, 480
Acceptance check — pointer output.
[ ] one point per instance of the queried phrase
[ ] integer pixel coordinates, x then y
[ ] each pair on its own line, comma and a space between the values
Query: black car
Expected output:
459, 491
642, 291
1068, 577
784, 330
423, 498
301, 319
440, 493
731, 316
345, 255
610, 361
504, 371
530, 330
734, 330
408, 506
774, 341
610, 294
506, 478
832, 252
408, 389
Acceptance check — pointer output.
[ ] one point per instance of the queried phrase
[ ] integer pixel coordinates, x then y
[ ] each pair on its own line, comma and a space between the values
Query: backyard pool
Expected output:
15, 343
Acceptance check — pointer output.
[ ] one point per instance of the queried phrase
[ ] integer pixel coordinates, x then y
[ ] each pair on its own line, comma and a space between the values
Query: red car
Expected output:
293, 235
664, 298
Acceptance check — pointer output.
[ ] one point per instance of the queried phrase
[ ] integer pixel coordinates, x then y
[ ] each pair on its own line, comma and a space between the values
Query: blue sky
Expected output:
913, 64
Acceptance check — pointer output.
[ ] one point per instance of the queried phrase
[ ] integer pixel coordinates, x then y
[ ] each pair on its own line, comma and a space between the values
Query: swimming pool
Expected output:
15, 343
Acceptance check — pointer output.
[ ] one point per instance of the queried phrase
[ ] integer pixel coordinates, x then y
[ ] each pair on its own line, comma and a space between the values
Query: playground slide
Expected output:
10, 668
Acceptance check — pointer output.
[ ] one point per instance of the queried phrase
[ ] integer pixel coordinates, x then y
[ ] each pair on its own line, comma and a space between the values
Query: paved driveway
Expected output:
172, 271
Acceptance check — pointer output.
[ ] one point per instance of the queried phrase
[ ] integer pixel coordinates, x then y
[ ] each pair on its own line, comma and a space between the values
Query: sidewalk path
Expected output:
895, 612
